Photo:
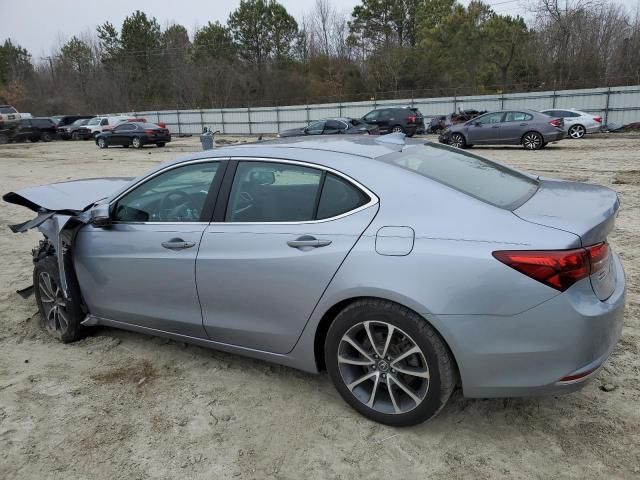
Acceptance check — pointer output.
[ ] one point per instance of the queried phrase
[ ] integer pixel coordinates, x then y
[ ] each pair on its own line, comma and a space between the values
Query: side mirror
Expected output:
100, 216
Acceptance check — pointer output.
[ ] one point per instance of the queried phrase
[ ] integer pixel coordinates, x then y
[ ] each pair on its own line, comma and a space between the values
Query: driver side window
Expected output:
178, 195
490, 118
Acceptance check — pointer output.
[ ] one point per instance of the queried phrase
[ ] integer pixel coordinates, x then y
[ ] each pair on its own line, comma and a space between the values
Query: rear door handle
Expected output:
308, 241
496, 126
177, 244
524, 124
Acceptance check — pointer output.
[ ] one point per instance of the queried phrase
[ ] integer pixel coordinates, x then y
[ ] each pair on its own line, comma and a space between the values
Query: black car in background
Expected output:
70, 131
35, 129
332, 126
135, 134
407, 120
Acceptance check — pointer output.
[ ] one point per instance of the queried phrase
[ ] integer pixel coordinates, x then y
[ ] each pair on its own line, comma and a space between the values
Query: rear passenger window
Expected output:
338, 197
517, 117
273, 192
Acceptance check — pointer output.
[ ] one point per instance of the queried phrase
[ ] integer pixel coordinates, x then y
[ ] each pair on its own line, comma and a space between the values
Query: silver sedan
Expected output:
403, 269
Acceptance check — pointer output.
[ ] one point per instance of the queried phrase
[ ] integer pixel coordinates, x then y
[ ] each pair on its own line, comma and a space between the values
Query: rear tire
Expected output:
532, 141
61, 317
397, 129
75, 136
576, 131
161, 144
403, 377
46, 136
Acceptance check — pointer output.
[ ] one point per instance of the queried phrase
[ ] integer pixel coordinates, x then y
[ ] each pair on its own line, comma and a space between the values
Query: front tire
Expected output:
102, 142
532, 141
61, 317
457, 140
577, 131
388, 363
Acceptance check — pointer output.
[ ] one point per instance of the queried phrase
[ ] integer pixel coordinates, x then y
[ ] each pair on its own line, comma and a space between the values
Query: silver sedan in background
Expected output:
576, 123
533, 130
403, 269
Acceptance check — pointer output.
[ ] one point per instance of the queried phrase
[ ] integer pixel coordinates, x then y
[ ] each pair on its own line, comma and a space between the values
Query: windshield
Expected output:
478, 177
7, 109
94, 121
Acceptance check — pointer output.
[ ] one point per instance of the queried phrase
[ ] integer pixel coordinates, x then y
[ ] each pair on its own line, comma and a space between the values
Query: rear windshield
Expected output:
6, 109
476, 176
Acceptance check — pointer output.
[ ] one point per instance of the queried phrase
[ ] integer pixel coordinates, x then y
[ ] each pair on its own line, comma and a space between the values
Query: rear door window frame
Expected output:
220, 209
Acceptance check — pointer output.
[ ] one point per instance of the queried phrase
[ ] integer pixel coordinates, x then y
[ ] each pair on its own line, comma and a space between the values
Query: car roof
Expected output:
364, 146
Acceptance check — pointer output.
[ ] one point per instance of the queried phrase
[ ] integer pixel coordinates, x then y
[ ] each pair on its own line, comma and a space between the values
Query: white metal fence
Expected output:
615, 104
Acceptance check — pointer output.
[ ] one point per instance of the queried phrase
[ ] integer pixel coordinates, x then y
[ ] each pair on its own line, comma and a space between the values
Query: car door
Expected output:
141, 269
274, 247
316, 128
514, 126
332, 127
484, 129
122, 134
372, 118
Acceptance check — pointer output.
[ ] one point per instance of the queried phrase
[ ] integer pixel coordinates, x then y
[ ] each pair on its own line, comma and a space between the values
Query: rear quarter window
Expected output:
475, 176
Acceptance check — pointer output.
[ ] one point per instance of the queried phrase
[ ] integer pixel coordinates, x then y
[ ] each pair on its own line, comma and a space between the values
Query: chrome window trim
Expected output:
155, 174
373, 198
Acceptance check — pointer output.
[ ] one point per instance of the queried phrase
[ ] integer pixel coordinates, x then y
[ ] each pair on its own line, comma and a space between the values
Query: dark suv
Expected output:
35, 129
406, 120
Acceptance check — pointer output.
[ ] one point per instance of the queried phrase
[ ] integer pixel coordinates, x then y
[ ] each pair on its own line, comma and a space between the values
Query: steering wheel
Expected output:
175, 205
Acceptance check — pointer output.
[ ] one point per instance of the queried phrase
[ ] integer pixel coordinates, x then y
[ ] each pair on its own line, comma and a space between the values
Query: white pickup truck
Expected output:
8, 115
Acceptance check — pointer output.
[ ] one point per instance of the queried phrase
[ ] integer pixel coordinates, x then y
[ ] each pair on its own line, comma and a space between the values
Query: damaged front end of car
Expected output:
62, 209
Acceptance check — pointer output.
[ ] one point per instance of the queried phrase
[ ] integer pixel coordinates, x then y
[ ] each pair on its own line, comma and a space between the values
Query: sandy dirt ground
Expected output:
124, 405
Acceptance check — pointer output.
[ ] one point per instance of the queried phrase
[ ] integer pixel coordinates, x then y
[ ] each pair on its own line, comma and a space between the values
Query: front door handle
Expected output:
177, 244
496, 126
524, 124
308, 241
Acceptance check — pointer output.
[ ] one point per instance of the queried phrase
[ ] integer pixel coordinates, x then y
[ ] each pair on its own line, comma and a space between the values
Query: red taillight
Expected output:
597, 119
556, 123
412, 118
558, 269
578, 376
150, 132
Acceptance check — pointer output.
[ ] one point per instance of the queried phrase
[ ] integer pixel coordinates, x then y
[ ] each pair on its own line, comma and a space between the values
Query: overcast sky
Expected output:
42, 25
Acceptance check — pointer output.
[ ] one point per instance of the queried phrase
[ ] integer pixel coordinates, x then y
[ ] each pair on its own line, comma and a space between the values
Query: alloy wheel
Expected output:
532, 141
135, 142
456, 140
101, 143
383, 367
54, 304
577, 131
397, 129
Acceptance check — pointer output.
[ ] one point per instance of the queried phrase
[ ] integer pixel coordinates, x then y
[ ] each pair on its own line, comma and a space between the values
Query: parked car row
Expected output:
407, 120
135, 131
529, 128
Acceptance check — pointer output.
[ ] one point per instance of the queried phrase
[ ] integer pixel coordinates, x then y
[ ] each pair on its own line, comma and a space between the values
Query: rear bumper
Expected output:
554, 136
572, 334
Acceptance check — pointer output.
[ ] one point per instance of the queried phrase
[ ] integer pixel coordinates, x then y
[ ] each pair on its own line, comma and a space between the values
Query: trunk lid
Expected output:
588, 211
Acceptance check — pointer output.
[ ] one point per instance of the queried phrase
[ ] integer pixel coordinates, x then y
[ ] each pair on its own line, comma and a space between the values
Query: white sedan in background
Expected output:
576, 123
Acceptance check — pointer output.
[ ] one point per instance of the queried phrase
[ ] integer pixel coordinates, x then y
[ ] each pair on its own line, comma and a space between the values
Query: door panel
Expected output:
126, 274
485, 129
257, 290
141, 269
